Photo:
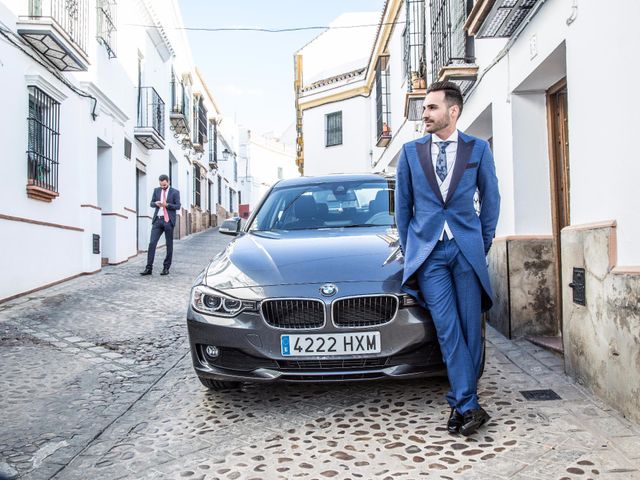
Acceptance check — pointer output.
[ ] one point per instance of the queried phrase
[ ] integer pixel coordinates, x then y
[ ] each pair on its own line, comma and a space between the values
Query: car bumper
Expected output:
250, 351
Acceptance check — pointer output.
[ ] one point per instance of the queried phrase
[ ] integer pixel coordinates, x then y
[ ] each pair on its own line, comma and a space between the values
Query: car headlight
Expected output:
211, 302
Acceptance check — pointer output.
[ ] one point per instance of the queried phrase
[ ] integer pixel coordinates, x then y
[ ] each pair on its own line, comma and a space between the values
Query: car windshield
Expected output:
337, 204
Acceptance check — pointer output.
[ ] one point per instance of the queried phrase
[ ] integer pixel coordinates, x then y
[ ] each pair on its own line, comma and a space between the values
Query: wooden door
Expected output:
557, 125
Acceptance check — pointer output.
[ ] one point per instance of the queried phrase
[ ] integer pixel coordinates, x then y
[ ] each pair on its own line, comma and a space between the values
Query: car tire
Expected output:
218, 384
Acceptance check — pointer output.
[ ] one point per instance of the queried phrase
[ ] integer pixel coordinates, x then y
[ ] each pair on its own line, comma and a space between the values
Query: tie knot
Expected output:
443, 145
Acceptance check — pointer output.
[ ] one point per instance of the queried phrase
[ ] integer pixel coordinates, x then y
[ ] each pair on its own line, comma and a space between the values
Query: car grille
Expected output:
364, 311
293, 313
346, 364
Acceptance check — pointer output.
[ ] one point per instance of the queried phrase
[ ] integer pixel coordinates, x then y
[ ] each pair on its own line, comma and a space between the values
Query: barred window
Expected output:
450, 44
200, 121
333, 127
414, 45
43, 143
213, 142
383, 114
196, 186
219, 190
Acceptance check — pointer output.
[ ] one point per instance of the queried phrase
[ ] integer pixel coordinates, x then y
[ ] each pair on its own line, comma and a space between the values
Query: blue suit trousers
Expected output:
453, 293
159, 227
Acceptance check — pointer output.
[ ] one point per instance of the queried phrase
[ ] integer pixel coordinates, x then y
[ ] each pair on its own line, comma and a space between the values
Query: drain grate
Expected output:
538, 395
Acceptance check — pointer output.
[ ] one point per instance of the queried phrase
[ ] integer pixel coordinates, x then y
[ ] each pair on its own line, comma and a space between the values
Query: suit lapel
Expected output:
462, 157
424, 157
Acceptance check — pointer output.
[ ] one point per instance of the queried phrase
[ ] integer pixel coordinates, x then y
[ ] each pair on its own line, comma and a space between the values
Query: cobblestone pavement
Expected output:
96, 383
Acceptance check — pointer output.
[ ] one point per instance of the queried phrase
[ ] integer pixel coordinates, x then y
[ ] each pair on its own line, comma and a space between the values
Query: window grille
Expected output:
200, 117
213, 142
43, 143
150, 110
414, 45
196, 186
383, 93
219, 190
333, 129
450, 44
106, 30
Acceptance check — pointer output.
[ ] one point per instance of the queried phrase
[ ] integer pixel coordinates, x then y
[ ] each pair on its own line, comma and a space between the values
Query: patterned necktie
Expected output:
441, 162
164, 209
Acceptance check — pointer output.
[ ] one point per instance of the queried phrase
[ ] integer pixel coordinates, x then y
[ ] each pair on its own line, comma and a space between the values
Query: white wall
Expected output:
46, 242
350, 157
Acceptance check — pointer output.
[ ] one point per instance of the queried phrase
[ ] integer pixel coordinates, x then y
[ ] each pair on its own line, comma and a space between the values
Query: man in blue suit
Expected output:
165, 200
445, 241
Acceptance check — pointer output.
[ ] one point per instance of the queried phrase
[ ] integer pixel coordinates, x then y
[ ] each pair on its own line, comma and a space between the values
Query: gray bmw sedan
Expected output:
309, 290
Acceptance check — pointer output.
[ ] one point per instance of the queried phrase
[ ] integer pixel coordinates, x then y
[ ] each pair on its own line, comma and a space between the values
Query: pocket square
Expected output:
472, 165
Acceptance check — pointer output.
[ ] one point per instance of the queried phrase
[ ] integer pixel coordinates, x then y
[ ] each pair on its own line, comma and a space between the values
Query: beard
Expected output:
438, 125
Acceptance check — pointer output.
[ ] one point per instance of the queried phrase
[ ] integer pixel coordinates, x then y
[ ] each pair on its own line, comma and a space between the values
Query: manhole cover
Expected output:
538, 395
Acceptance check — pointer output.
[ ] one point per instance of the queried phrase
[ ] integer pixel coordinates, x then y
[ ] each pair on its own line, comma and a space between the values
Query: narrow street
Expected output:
96, 382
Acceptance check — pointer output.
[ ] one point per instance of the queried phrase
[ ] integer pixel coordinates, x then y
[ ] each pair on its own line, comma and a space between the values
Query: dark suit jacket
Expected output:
173, 203
421, 211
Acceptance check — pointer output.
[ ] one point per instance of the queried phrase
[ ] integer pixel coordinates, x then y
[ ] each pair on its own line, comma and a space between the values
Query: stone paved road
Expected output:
96, 383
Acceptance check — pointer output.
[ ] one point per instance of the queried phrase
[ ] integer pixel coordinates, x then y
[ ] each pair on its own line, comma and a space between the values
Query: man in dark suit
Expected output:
165, 200
445, 241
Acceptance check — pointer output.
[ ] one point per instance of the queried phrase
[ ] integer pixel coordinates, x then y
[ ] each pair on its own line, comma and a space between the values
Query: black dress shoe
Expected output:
472, 420
455, 421
147, 271
165, 271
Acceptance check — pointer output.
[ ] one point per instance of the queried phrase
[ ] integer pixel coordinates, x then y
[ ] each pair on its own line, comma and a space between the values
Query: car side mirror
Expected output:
230, 226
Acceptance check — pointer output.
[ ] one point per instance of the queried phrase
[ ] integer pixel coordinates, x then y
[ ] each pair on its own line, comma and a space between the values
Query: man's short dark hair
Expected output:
163, 178
452, 93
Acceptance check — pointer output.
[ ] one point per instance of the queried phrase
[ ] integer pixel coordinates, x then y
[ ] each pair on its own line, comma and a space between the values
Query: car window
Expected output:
327, 205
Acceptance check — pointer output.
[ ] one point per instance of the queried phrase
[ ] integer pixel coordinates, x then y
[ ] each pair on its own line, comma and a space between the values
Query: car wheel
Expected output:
218, 384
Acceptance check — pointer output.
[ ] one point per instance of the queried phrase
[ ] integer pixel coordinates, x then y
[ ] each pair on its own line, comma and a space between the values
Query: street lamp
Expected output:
225, 154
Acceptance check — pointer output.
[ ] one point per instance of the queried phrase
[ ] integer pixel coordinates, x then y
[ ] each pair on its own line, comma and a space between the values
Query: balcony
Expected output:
180, 105
497, 18
58, 29
200, 128
150, 128
452, 50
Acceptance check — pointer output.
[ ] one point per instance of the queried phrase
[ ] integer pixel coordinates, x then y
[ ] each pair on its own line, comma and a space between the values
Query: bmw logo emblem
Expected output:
328, 290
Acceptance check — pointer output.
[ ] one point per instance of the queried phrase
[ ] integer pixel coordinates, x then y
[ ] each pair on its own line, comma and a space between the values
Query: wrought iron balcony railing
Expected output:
58, 29
180, 107
150, 127
452, 50
106, 34
200, 124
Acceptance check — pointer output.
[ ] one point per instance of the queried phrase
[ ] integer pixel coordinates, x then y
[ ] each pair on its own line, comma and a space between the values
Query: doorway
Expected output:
557, 124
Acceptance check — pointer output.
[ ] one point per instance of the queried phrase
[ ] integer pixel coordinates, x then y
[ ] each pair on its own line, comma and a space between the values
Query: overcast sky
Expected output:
251, 73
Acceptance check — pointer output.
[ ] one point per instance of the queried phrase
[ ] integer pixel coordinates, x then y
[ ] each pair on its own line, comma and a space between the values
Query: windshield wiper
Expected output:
364, 225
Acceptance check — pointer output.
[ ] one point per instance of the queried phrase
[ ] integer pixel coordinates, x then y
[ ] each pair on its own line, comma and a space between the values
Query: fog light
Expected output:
212, 351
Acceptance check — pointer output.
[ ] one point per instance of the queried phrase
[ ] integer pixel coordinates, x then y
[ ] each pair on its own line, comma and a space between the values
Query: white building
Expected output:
553, 98
265, 161
92, 102
337, 137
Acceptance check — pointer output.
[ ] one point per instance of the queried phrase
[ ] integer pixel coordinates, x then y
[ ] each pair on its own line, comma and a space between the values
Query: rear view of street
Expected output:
97, 382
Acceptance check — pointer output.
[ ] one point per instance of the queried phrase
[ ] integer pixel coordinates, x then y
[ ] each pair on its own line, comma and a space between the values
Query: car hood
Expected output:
260, 259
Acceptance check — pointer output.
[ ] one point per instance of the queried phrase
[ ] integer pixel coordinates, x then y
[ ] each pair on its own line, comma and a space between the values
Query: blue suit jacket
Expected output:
173, 203
421, 211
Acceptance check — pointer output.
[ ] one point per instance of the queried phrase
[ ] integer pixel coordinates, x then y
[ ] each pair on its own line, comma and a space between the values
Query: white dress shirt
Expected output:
451, 150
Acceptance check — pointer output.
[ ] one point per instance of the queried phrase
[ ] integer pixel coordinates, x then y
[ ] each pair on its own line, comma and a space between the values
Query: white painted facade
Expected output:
508, 105
100, 190
266, 160
332, 63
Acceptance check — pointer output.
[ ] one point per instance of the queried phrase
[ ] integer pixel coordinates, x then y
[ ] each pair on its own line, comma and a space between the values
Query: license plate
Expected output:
330, 344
